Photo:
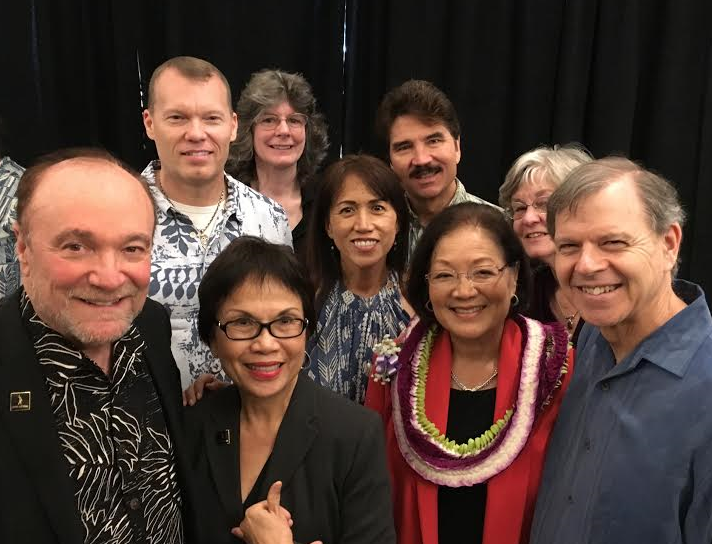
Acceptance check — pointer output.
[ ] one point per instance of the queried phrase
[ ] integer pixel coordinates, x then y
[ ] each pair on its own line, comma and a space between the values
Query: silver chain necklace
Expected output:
202, 233
462, 386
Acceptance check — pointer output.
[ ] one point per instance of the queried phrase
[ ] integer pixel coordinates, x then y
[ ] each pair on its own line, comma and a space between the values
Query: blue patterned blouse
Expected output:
347, 329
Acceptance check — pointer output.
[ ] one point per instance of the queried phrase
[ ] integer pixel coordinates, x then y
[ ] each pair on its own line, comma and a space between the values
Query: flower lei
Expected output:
443, 461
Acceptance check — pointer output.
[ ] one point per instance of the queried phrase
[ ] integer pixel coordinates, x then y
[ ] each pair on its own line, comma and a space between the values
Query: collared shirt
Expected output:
630, 458
10, 173
179, 261
416, 229
113, 436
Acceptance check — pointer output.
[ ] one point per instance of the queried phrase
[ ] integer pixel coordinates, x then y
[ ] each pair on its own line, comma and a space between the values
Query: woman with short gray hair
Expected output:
281, 142
525, 194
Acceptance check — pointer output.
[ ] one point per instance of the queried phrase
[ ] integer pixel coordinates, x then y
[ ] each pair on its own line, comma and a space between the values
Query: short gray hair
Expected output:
268, 88
553, 163
660, 200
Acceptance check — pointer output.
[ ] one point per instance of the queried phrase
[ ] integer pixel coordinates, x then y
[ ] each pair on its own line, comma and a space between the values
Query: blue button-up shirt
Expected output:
630, 458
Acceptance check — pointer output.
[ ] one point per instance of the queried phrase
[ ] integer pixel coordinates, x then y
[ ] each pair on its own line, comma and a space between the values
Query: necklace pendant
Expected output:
203, 237
570, 322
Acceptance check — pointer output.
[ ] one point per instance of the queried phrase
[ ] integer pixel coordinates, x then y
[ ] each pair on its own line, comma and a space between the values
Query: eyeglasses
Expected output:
245, 328
519, 209
269, 121
482, 275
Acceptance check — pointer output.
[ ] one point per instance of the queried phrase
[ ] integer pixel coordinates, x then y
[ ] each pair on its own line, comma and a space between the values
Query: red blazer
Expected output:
511, 495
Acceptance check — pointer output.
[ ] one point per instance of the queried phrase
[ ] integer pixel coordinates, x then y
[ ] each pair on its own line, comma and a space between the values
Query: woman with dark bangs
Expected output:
356, 254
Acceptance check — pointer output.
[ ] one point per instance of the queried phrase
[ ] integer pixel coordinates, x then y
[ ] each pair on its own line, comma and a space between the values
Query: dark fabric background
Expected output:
619, 76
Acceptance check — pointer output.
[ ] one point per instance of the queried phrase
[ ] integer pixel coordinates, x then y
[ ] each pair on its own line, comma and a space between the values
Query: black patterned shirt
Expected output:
113, 437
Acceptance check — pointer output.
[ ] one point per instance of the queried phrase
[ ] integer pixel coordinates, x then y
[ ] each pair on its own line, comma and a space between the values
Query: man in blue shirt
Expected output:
630, 459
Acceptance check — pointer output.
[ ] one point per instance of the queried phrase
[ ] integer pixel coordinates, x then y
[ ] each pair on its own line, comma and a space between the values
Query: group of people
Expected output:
524, 368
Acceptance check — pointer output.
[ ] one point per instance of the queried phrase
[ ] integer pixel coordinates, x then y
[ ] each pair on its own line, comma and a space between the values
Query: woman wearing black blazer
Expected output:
274, 424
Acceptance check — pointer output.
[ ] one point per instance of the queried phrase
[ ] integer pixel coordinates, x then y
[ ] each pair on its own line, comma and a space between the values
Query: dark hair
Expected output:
249, 258
324, 262
192, 68
485, 217
33, 175
268, 88
422, 100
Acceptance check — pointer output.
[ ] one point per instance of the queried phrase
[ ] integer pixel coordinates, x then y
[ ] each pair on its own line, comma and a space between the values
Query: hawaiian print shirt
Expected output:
10, 173
416, 229
113, 437
179, 261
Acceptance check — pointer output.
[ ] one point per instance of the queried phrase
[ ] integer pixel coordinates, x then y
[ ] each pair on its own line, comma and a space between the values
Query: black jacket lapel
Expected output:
297, 432
222, 450
33, 432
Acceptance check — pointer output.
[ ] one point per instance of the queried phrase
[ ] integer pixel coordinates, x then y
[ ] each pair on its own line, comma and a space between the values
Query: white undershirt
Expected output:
200, 215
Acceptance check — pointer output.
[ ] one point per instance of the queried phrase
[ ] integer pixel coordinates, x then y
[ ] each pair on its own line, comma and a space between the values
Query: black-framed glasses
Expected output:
482, 275
270, 121
246, 328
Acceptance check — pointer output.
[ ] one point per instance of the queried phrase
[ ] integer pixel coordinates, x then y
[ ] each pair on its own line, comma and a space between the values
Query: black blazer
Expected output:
329, 455
37, 504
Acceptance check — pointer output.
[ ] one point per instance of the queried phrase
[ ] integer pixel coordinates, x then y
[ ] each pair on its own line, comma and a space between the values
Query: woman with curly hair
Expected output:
281, 141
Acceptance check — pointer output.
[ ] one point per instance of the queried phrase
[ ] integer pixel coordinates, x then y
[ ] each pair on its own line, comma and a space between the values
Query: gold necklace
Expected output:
477, 387
568, 318
202, 233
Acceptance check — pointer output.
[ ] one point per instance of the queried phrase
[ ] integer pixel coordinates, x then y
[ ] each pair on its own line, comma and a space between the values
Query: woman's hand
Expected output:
267, 522
194, 392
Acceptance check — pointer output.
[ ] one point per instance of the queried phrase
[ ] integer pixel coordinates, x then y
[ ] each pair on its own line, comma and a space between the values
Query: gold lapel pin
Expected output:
20, 401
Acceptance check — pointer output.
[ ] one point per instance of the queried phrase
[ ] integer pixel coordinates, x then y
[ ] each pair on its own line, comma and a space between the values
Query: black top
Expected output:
461, 510
544, 286
299, 232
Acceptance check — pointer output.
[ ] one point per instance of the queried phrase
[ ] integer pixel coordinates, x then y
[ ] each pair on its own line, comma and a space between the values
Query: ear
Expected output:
21, 248
327, 228
671, 245
515, 277
458, 154
233, 120
148, 123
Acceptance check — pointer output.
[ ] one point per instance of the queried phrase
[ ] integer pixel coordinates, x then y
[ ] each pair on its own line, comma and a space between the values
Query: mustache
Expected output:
424, 170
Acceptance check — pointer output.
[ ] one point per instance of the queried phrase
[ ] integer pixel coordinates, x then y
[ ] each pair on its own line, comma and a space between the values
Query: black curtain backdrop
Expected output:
619, 76
629, 77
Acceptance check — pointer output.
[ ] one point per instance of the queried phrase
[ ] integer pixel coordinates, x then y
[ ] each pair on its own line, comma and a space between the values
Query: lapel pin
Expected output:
223, 437
20, 401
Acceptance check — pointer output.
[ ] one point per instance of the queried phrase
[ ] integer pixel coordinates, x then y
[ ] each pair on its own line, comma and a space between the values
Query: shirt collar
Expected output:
459, 196
673, 345
232, 199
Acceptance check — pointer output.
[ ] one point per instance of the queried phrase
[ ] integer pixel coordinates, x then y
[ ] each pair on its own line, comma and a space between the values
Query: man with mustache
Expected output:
201, 209
420, 126
90, 418
630, 458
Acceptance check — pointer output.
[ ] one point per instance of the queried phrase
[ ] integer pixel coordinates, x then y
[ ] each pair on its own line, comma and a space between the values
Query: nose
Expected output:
531, 216
421, 155
282, 127
195, 130
466, 288
264, 342
363, 221
107, 274
589, 261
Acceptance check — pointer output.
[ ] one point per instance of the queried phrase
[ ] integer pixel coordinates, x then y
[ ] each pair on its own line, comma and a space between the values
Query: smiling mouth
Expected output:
265, 368
536, 235
104, 303
598, 290
421, 173
282, 147
364, 244
196, 153
469, 310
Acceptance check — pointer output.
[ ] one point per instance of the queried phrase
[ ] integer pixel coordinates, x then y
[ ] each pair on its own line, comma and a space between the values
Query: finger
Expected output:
273, 497
237, 532
185, 399
286, 514
215, 384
